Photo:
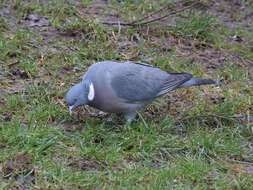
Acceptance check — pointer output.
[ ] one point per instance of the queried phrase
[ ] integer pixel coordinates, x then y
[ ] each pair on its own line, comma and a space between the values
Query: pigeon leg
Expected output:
130, 116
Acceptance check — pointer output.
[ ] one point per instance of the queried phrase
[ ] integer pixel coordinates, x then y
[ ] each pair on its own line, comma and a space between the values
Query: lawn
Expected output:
194, 138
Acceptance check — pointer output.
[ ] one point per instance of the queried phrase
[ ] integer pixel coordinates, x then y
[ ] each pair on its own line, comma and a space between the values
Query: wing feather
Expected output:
174, 80
138, 83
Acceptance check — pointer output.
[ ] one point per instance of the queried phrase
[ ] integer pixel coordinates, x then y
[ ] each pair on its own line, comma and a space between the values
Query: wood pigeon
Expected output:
126, 87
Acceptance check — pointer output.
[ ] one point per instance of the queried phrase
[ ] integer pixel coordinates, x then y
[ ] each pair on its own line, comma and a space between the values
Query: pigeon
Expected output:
126, 87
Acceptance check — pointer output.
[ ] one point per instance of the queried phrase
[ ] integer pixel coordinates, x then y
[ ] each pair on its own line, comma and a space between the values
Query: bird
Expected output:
126, 87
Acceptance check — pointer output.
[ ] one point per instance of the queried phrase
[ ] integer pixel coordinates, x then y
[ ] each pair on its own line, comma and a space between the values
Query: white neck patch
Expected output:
91, 94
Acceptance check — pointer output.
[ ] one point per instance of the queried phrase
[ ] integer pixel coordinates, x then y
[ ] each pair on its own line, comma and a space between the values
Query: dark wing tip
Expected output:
174, 81
144, 64
187, 75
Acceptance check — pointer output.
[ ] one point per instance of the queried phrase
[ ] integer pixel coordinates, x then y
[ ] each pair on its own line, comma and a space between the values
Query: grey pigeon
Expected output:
126, 87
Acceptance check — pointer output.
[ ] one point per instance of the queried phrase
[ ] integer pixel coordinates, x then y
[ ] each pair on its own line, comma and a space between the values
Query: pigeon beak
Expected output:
70, 109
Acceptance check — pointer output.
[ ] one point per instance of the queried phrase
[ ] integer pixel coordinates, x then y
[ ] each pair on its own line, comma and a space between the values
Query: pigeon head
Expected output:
80, 94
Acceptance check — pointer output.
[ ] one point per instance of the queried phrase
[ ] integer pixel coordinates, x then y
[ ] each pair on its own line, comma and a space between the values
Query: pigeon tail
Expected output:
199, 81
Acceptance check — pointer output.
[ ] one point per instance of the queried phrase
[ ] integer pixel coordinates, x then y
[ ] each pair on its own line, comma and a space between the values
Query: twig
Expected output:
118, 23
224, 160
150, 15
13, 63
239, 161
137, 23
169, 14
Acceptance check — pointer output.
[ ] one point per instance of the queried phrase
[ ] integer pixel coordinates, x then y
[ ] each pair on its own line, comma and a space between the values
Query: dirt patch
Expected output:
233, 13
98, 9
248, 170
33, 20
2, 145
12, 86
21, 169
205, 54
21, 164
170, 104
82, 113
87, 164
71, 127
7, 13
2, 101
7, 116
20, 73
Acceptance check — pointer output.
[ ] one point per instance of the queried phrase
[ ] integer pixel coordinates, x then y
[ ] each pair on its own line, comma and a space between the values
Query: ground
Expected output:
195, 138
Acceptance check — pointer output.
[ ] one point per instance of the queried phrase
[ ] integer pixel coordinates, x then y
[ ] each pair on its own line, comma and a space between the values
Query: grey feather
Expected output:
137, 83
174, 81
198, 82
143, 83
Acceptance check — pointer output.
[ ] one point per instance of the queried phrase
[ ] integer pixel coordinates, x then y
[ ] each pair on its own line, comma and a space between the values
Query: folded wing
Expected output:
173, 81
142, 83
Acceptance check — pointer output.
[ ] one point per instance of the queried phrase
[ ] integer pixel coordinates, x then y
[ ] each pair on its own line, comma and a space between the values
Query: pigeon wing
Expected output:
173, 81
142, 83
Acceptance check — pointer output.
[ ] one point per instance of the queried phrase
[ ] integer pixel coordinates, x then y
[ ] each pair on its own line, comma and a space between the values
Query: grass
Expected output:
198, 27
197, 142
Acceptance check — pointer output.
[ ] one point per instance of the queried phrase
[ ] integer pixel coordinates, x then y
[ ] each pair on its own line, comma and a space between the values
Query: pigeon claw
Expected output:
70, 109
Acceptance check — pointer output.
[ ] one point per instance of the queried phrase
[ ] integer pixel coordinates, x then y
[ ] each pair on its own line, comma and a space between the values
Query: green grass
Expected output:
196, 26
196, 143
